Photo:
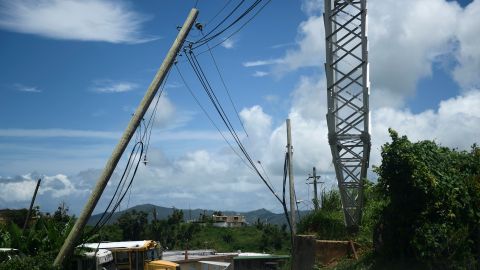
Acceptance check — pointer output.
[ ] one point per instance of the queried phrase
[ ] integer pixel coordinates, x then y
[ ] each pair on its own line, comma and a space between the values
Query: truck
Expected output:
136, 255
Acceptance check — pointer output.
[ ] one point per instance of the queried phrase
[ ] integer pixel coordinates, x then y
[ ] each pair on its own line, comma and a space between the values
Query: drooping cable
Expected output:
202, 41
226, 89
218, 13
209, 91
210, 118
221, 22
238, 30
136, 153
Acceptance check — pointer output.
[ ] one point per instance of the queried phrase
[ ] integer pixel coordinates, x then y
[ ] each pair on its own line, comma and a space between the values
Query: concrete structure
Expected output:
229, 221
310, 251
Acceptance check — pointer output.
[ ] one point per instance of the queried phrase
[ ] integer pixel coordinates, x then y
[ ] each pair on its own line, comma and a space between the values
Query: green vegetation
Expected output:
174, 233
431, 211
423, 213
39, 244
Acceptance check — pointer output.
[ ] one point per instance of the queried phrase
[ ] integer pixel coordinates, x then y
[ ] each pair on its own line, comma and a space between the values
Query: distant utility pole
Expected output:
315, 177
31, 205
291, 182
77, 229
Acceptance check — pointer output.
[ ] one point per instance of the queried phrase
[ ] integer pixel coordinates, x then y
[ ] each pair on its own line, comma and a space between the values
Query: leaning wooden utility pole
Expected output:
27, 219
291, 182
77, 229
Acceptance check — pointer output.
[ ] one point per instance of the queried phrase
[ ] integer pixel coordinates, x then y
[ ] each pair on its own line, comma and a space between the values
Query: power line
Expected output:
202, 41
238, 30
218, 13
226, 89
209, 118
209, 91
221, 22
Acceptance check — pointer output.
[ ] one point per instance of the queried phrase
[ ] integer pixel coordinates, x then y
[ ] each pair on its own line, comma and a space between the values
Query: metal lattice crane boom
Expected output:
348, 116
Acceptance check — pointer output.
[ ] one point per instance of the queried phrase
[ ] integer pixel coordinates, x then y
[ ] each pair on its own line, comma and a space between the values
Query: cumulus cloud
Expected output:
92, 20
167, 116
19, 190
468, 54
455, 124
405, 40
108, 86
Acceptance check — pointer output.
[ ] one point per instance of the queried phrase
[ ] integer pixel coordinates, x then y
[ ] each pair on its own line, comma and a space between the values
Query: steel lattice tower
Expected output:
348, 116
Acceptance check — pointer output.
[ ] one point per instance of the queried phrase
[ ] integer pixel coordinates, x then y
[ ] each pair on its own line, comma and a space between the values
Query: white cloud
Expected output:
108, 86
405, 39
262, 63
21, 188
468, 54
228, 43
17, 191
260, 74
456, 124
91, 20
311, 47
29, 89
312, 7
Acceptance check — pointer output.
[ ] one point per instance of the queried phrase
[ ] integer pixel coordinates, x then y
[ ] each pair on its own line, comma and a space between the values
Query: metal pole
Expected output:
31, 205
68, 246
291, 179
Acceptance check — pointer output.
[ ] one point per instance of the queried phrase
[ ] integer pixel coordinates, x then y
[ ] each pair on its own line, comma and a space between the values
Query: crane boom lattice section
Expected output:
348, 115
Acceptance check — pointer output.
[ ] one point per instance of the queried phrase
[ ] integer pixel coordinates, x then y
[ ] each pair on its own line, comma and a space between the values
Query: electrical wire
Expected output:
210, 118
226, 89
218, 13
221, 22
193, 61
238, 30
202, 41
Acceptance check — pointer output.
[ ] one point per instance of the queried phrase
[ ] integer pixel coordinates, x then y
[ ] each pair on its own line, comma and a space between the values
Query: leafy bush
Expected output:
432, 198
327, 222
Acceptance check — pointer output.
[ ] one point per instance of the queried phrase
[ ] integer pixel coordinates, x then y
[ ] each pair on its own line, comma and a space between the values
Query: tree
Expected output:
431, 196
133, 224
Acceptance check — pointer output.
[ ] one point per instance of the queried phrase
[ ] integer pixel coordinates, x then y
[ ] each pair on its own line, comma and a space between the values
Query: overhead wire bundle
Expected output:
124, 185
225, 24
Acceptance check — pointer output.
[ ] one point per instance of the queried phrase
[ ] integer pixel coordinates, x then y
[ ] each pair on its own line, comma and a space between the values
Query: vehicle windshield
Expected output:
153, 254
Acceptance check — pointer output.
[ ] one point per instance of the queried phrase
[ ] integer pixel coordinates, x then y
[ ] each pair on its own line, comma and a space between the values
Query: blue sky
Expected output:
73, 72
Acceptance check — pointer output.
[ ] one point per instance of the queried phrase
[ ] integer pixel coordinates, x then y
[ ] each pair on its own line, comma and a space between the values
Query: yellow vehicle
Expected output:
136, 255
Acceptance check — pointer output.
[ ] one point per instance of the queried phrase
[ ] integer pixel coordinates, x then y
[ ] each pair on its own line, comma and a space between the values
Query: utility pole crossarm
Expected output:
142, 108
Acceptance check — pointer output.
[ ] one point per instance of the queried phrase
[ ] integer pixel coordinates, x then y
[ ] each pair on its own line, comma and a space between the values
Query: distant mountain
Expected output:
192, 214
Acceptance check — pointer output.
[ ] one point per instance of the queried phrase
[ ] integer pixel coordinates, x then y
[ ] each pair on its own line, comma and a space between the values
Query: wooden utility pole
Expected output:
77, 229
291, 181
31, 205
315, 193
